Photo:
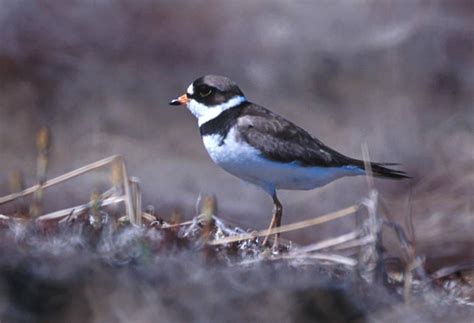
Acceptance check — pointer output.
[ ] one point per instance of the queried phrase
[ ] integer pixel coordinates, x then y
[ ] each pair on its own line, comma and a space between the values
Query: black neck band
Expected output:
221, 124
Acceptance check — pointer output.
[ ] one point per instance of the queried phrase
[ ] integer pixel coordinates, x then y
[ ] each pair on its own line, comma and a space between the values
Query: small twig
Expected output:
17, 184
129, 202
316, 256
407, 282
402, 238
197, 206
42, 146
412, 261
330, 257
449, 270
355, 243
149, 217
170, 226
208, 210
78, 209
95, 215
328, 243
110, 192
367, 166
409, 220
69, 217
128, 195
290, 227
137, 199
369, 257
59, 179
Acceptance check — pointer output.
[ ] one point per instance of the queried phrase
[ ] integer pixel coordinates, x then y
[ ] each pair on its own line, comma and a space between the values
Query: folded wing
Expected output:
282, 141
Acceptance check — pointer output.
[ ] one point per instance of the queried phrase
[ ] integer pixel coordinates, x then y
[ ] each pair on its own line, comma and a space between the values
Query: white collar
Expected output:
206, 113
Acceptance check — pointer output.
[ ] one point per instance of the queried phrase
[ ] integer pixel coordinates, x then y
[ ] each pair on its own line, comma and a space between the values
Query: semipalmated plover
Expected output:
263, 148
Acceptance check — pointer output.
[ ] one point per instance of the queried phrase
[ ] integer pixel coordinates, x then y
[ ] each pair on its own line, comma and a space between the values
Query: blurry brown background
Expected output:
397, 75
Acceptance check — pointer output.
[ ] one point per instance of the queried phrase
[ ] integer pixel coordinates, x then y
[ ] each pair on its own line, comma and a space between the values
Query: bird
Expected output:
263, 148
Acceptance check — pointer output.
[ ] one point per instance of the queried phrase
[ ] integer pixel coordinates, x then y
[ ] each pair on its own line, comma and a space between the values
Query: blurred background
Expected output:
396, 75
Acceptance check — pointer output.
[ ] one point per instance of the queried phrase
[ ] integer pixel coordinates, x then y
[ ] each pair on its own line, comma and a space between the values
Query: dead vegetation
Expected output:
114, 230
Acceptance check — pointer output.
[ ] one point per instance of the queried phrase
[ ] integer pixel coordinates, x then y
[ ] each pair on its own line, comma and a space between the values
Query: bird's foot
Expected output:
276, 248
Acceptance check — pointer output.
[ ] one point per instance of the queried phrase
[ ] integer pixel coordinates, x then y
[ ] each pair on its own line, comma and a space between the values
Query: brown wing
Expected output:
280, 140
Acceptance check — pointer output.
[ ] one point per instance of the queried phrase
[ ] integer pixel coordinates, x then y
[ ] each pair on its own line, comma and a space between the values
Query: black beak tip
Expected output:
174, 102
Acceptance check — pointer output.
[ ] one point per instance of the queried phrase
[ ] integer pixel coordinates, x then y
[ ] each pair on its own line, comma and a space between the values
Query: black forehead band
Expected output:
220, 83
223, 87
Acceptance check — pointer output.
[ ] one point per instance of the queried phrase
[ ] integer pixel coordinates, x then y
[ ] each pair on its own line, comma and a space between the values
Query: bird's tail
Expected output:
381, 170
377, 169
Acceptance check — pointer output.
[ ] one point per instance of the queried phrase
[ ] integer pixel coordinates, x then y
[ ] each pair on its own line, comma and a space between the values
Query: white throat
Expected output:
205, 113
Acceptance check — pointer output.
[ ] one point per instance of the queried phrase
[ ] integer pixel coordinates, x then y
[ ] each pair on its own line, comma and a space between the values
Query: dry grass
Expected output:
113, 226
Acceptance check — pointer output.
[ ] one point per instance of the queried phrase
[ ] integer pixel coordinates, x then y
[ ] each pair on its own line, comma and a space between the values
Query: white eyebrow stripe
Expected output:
190, 89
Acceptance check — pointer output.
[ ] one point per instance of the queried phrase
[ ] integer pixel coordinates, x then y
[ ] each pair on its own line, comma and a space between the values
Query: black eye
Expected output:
205, 91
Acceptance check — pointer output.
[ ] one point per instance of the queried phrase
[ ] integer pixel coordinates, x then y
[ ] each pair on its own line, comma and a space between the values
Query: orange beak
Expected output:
182, 100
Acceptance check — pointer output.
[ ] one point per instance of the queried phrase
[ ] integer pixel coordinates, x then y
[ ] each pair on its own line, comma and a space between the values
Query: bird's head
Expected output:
209, 95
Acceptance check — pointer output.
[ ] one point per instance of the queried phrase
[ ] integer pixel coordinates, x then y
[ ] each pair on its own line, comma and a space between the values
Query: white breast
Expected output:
246, 162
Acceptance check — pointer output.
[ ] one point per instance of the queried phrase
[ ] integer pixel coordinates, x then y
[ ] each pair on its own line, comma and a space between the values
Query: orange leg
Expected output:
276, 221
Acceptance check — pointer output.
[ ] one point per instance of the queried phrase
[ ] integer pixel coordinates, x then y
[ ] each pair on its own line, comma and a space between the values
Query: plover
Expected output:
263, 148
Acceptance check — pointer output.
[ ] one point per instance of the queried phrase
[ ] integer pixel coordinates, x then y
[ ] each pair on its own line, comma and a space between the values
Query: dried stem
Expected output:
137, 199
78, 209
59, 179
128, 195
130, 201
313, 256
369, 258
290, 227
367, 166
95, 205
328, 243
42, 146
